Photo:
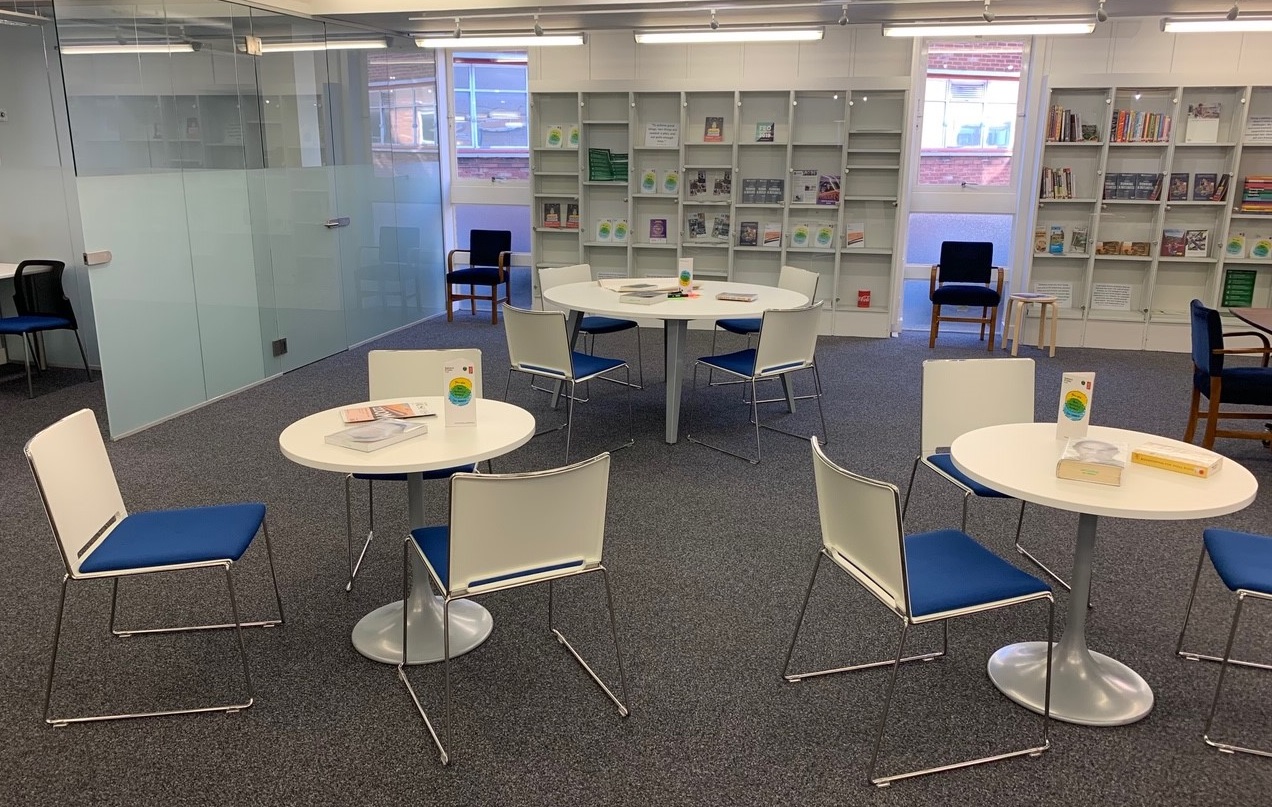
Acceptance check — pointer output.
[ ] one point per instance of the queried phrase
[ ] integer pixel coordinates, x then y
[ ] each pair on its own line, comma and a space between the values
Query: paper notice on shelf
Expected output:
1063, 292
666, 135
1258, 129
1111, 296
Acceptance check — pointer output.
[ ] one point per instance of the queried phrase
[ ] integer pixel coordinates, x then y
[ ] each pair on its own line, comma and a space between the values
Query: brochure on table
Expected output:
1076, 392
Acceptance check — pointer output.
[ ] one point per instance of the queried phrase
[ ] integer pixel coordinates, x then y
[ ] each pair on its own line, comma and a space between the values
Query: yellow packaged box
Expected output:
1192, 461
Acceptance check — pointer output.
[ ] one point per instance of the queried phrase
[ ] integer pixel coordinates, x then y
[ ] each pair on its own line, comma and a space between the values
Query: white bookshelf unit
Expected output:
708, 170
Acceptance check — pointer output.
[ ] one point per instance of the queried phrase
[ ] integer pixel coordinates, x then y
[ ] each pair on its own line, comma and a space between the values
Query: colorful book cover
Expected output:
572, 215
1178, 189
1197, 243
1055, 243
854, 235
620, 230
749, 234
460, 404
696, 225
800, 235
572, 136
1221, 190
648, 180
552, 214
772, 234
1204, 186
554, 136
1108, 248
670, 182
828, 189
1040, 240
764, 132
604, 230
1078, 240
713, 130
403, 409
657, 231
1261, 248
824, 237
1172, 243
1235, 246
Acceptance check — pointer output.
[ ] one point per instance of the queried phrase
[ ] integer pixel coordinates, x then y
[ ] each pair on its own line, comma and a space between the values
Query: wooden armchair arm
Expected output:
505, 262
932, 282
1266, 350
1001, 276
450, 259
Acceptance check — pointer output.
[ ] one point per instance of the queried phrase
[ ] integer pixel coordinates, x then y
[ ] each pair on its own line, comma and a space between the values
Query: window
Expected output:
969, 113
403, 106
491, 113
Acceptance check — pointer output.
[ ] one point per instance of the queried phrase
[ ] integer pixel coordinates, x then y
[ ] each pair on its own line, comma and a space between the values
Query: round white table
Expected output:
1019, 459
500, 428
675, 313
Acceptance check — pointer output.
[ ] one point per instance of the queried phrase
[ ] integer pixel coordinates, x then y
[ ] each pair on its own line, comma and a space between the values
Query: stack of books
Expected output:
606, 166
1256, 194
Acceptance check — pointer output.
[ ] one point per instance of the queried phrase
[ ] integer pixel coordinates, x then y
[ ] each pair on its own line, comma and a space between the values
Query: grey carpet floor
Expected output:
710, 557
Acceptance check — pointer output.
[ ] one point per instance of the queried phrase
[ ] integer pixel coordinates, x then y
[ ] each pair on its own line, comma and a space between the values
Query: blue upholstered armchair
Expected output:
966, 277
1243, 385
489, 259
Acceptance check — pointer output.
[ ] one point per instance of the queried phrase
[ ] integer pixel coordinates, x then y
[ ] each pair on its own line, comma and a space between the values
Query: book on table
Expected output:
396, 410
377, 434
1178, 458
738, 296
1086, 459
643, 297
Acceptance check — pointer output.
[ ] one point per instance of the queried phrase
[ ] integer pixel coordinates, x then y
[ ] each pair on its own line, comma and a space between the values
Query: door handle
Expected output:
339, 221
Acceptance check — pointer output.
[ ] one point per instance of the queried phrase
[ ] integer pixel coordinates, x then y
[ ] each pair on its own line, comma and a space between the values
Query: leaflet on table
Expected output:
1076, 391
460, 404
631, 284
403, 409
377, 434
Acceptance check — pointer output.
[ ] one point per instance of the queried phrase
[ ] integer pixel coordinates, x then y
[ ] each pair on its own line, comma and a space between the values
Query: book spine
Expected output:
1179, 466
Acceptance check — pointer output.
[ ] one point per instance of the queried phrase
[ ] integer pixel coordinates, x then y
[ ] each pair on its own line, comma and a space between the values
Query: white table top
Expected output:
500, 428
8, 270
1019, 459
595, 299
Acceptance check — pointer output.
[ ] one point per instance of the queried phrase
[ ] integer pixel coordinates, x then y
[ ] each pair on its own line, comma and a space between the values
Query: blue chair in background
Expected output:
921, 579
489, 262
42, 306
966, 277
1220, 384
1244, 564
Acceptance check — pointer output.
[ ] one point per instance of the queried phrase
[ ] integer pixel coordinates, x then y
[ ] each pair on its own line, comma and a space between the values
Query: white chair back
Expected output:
792, 278
414, 373
961, 395
77, 484
538, 342
551, 277
507, 526
861, 529
788, 339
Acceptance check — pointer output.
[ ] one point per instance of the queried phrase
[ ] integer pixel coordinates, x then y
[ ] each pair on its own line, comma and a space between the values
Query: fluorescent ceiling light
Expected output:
21, 18
999, 28
478, 41
335, 44
1204, 26
95, 50
730, 35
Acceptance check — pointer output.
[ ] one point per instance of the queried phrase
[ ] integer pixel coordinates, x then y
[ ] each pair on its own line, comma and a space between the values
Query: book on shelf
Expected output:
1261, 248
1132, 126
648, 180
764, 131
749, 188
722, 185
620, 230
1256, 194
720, 227
554, 135
670, 182
657, 231
604, 229
1177, 191
1078, 240
749, 234
696, 225
1055, 240
774, 191
664, 135
1204, 186
643, 297
1108, 247
552, 215
1172, 243
1180, 458
1125, 186
1144, 184
1197, 243
1221, 189
1086, 459
824, 236
1138, 249
697, 183
772, 234
854, 235
801, 234
1090, 133
1238, 288
828, 189
713, 130
572, 215
571, 135
804, 185
1110, 186
377, 434
1040, 240
388, 411
1235, 246
1057, 183
1202, 125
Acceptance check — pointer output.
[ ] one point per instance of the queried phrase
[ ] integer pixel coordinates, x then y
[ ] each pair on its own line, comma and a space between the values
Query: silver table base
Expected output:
1086, 687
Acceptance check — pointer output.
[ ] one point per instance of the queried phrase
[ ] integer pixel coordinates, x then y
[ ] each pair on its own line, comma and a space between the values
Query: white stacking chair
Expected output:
962, 395
593, 325
402, 374
539, 346
791, 278
100, 540
788, 344
512, 530
921, 579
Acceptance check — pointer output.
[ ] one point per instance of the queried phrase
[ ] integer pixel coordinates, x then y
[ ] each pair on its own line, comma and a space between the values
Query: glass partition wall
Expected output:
225, 156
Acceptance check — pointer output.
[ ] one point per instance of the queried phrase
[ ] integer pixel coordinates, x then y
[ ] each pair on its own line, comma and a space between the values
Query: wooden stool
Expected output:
1018, 306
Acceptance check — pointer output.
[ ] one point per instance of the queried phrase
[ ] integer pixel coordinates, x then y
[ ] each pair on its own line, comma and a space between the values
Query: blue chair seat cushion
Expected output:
441, 473
586, 366
948, 570
32, 323
1241, 385
744, 326
739, 362
475, 275
966, 294
434, 544
600, 325
945, 464
171, 537
1243, 560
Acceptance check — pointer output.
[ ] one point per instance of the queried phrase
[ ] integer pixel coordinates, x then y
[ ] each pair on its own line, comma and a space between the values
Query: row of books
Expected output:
1133, 126
1178, 243
751, 234
561, 136
1051, 240
552, 215
757, 191
1256, 194
604, 165
1140, 249
1205, 187
1133, 186
1057, 183
1065, 126
615, 230
1256, 247
713, 184
1085, 459
666, 181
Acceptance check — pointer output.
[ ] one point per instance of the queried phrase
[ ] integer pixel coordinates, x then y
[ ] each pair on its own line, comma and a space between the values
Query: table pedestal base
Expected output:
1086, 687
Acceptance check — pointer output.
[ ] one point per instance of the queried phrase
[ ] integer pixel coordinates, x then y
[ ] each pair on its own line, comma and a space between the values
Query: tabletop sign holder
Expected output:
460, 402
1076, 393
684, 276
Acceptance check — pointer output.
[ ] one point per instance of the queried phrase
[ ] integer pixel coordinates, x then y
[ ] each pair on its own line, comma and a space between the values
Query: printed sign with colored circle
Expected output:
460, 390
1075, 405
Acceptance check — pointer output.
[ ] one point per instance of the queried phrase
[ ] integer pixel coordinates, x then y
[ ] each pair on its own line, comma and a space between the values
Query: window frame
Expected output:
490, 189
